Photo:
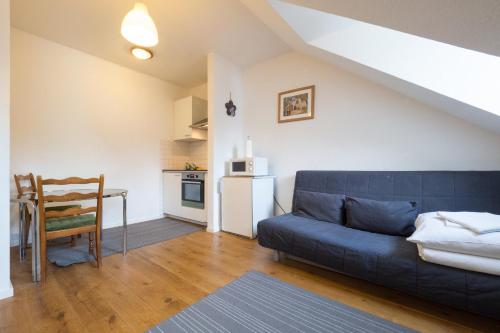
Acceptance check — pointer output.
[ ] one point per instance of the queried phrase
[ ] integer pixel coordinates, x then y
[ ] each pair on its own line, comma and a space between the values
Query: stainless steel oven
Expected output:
193, 189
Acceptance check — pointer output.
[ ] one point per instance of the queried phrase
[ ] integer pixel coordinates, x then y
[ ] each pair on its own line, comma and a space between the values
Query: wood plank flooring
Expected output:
148, 285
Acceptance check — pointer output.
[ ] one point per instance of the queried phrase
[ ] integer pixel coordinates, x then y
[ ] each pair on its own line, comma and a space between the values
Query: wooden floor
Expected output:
148, 285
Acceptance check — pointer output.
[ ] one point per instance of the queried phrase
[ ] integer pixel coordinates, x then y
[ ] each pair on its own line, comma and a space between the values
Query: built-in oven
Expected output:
193, 189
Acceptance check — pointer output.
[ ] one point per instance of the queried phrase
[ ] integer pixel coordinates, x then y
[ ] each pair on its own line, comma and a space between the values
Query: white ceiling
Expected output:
188, 30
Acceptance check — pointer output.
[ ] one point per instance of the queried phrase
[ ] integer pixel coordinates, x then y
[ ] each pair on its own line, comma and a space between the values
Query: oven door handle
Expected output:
191, 182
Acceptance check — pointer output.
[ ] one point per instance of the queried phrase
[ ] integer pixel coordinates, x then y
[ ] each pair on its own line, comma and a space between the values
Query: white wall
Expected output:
225, 135
76, 114
5, 285
358, 125
199, 91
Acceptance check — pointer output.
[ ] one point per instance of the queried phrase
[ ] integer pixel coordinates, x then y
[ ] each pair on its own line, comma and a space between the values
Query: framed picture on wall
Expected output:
296, 104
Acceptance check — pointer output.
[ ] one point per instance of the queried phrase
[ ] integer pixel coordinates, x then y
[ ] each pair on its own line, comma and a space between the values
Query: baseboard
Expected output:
212, 229
185, 219
6, 293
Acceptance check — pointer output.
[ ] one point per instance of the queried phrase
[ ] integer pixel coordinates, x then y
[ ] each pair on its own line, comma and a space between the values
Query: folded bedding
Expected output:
460, 260
480, 223
433, 232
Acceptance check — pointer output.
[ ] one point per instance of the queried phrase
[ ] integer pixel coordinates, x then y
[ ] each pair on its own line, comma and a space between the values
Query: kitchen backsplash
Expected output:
174, 154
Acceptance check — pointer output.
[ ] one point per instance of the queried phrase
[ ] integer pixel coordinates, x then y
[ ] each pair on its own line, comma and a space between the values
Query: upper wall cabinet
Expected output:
188, 111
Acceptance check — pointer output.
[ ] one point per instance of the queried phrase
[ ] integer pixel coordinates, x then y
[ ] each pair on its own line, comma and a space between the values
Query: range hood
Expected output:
202, 124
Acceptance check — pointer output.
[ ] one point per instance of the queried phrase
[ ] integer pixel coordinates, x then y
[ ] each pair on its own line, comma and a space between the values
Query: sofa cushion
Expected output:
395, 218
388, 260
320, 206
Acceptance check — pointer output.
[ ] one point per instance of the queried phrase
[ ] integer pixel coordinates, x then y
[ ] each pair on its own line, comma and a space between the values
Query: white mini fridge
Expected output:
245, 202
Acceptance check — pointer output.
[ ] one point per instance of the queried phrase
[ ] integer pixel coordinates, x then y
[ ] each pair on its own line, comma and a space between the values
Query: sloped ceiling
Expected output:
188, 30
387, 13
470, 24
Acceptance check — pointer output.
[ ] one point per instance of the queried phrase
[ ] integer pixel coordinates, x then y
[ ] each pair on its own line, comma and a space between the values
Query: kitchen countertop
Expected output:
183, 170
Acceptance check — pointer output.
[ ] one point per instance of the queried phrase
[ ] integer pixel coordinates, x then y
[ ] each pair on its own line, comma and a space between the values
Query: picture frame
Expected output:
296, 104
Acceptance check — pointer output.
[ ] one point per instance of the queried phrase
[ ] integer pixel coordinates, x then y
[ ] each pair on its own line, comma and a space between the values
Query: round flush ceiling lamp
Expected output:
138, 27
141, 53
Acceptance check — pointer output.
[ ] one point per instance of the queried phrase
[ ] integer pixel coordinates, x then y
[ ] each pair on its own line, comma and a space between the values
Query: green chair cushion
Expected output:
69, 222
61, 208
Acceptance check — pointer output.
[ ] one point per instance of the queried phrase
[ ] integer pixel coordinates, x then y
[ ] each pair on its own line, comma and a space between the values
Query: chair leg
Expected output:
27, 225
43, 258
91, 243
98, 247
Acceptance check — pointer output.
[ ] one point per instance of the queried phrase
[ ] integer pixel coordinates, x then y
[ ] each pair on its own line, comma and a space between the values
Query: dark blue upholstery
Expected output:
431, 190
395, 218
391, 261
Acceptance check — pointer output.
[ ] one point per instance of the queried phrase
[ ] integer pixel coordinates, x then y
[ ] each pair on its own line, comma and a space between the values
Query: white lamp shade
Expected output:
138, 27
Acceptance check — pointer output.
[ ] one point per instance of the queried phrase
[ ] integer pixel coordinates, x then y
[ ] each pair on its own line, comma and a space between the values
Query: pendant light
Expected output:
138, 27
141, 53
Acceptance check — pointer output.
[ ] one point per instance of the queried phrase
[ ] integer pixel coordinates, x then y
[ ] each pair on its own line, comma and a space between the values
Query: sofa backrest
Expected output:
476, 191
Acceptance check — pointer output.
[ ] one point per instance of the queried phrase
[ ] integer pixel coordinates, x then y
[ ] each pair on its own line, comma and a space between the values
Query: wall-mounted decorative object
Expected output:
296, 104
230, 107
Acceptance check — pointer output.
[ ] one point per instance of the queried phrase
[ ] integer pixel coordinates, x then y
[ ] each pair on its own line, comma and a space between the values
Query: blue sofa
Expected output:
391, 261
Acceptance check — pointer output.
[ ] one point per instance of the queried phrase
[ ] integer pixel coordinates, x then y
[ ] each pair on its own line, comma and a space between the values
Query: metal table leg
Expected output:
124, 197
22, 246
35, 245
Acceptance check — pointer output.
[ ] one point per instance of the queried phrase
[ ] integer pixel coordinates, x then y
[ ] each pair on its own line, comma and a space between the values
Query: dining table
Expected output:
31, 200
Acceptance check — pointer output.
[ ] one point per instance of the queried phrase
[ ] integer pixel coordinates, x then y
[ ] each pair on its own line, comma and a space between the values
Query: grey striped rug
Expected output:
259, 303
141, 234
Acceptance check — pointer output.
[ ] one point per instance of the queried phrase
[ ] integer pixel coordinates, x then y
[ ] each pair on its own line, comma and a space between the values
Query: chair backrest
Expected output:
20, 179
70, 196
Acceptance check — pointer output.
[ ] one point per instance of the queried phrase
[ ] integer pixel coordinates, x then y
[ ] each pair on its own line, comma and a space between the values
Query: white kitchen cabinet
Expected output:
172, 193
187, 111
245, 202
193, 214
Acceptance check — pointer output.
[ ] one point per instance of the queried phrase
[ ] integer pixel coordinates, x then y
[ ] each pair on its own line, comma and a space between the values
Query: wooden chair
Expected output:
21, 190
25, 189
71, 221
26, 184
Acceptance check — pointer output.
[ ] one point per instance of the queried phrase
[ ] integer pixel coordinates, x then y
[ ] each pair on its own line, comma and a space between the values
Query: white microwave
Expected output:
249, 166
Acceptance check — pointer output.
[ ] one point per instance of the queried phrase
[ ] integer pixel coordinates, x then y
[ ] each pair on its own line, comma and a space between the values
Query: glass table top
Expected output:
107, 193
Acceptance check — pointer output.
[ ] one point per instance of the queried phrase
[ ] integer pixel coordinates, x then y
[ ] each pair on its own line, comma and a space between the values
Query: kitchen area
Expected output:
246, 190
185, 160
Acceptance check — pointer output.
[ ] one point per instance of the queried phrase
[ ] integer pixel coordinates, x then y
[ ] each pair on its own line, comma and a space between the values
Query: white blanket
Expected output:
433, 232
480, 223
459, 260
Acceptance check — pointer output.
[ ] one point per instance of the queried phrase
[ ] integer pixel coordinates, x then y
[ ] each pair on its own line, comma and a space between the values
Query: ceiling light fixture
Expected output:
138, 27
140, 53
